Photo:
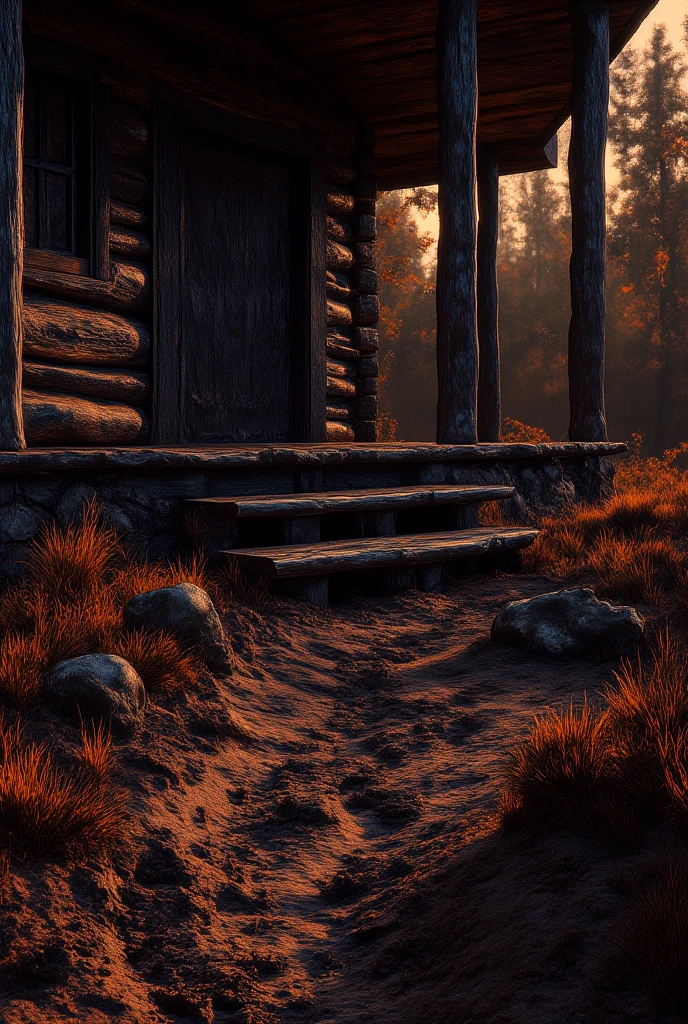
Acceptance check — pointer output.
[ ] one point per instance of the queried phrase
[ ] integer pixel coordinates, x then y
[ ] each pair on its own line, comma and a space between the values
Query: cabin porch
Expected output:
135, 367
395, 512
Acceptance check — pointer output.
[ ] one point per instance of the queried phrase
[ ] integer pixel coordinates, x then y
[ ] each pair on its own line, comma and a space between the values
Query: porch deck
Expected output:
243, 456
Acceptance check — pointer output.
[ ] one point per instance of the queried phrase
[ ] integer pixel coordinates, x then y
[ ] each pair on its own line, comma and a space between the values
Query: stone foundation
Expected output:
144, 499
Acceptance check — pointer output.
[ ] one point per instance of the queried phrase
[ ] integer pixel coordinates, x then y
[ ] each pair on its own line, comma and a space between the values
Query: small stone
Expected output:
187, 613
71, 506
114, 517
98, 687
18, 523
568, 623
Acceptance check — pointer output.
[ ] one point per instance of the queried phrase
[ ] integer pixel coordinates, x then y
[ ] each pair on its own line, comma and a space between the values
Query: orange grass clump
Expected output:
655, 935
139, 577
71, 563
162, 664
558, 768
45, 809
634, 543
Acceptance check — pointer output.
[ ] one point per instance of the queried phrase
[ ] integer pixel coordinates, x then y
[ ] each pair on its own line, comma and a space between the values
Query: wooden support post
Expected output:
11, 223
457, 335
489, 384
589, 103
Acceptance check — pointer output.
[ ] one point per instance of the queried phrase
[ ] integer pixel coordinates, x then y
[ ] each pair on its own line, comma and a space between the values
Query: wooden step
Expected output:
372, 500
380, 552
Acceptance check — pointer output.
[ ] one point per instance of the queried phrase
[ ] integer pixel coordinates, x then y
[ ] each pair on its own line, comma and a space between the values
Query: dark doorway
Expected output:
237, 304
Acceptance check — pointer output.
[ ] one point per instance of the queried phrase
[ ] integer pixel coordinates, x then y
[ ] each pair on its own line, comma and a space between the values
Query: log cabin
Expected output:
188, 282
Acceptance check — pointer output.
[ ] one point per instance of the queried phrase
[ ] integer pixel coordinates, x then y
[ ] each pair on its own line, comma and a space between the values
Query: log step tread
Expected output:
364, 500
380, 552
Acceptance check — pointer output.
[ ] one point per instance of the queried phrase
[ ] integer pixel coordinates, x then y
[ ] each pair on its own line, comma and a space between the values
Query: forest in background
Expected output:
647, 276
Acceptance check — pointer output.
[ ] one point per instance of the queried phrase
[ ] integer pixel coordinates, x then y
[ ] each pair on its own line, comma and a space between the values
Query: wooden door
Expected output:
239, 314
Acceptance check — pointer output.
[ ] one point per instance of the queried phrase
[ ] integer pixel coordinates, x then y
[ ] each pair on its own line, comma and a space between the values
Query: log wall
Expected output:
87, 342
86, 352
353, 307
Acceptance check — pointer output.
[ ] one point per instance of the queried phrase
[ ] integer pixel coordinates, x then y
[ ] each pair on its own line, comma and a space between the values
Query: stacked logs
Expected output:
86, 342
352, 304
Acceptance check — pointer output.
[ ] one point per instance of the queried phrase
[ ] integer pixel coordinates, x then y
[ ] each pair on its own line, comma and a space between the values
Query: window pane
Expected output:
31, 207
58, 215
57, 113
31, 121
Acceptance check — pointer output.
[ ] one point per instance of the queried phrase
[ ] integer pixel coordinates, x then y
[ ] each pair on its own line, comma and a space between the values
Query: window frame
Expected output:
50, 60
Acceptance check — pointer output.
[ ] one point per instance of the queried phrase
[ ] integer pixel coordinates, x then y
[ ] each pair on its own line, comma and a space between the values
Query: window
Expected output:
57, 172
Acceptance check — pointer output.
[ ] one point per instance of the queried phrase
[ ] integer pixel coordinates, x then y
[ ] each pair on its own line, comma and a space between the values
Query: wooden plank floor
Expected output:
365, 500
380, 552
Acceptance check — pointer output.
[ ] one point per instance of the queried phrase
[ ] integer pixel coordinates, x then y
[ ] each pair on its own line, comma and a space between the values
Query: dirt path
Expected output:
288, 815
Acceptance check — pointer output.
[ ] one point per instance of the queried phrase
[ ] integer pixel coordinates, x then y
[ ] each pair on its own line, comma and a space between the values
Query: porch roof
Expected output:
379, 57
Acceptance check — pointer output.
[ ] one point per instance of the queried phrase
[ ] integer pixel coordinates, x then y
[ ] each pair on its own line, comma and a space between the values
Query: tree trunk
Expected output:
457, 331
11, 224
589, 102
489, 386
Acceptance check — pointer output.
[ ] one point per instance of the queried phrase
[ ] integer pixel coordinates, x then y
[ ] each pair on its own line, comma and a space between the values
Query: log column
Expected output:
589, 103
457, 335
11, 223
489, 385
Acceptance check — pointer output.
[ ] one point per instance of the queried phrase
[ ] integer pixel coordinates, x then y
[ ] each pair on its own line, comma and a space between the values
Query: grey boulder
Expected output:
187, 613
97, 687
568, 623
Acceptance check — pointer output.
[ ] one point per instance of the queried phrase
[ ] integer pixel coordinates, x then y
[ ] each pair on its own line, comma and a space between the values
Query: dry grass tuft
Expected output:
97, 753
70, 564
558, 768
635, 543
655, 935
233, 584
158, 659
44, 809
134, 577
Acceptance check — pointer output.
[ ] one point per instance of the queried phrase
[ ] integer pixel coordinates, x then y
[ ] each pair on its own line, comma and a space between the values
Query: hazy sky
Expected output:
672, 13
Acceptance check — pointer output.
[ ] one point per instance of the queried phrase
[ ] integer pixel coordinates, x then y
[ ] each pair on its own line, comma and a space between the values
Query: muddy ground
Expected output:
314, 839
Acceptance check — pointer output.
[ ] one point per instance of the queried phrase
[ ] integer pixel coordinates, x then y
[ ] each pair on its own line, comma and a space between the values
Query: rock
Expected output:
97, 686
568, 623
70, 508
18, 522
187, 613
115, 518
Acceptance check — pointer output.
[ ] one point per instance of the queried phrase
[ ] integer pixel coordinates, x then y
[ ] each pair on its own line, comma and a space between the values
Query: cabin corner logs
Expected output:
353, 307
87, 342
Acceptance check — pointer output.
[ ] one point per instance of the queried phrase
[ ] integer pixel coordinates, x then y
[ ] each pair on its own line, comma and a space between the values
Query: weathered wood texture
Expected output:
128, 288
381, 552
61, 419
131, 244
381, 57
489, 382
457, 338
11, 223
63, 332
306, 456
365, 500
339, 432
589, 104
115, 385
128, 216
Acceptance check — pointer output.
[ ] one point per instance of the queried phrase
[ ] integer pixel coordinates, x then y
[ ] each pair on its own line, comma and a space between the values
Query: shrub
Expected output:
523, 433
158, 659
646, 711
45, 809
655, 935
635, 568
71, 563
97, 753
140, 577
559, 767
